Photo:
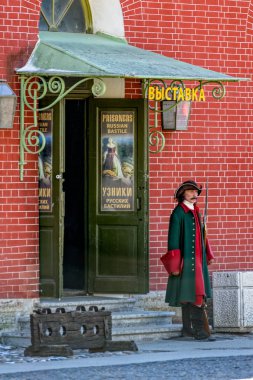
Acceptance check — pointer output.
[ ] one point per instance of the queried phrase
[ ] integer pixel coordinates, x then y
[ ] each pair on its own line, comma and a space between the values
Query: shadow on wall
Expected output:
17, 60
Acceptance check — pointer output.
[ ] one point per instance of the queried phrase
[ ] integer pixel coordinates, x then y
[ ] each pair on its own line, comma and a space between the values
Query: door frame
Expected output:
52, 221
60, 170
82, 97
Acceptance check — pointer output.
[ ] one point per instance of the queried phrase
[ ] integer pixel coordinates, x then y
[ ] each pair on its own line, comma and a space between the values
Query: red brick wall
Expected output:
218, 143
19, 265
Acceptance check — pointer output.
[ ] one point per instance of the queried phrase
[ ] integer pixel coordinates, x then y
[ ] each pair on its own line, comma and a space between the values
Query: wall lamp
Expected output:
175, 115
8, 103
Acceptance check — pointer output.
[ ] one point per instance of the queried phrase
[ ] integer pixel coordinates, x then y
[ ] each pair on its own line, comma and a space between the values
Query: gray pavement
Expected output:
229, 357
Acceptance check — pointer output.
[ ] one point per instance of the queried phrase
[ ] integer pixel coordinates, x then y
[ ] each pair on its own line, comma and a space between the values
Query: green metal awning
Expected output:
93, 55
58, 56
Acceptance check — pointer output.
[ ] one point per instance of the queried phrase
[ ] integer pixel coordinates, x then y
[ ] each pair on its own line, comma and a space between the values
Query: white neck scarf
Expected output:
189, 204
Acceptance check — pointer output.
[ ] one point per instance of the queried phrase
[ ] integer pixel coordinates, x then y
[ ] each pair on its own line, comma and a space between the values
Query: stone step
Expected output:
70, 303
141, 317
21, 335
150, 332
14, 339
120, 320
128, 321
143, 324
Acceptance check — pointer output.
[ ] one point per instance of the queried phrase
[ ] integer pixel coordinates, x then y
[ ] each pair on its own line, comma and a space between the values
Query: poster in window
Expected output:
117, 152
45, 120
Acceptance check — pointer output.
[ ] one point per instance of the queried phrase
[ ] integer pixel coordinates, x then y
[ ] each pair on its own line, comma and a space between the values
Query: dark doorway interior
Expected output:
74, 188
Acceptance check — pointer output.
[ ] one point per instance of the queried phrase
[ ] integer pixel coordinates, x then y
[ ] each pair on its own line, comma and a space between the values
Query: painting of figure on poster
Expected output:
117, 146
45, 162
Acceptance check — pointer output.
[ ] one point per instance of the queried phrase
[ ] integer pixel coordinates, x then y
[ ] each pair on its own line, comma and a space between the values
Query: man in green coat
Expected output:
189, 255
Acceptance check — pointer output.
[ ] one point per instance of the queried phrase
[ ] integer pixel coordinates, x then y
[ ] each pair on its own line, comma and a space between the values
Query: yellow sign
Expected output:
176, 94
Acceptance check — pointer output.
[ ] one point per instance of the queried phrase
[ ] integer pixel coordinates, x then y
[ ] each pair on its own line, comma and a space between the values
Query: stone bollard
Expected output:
233, 301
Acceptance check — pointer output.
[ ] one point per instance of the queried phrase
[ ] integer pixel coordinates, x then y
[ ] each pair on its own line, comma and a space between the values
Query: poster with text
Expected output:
117, 152
45, 119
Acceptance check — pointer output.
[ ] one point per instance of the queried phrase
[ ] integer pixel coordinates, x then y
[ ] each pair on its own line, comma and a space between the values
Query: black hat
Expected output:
187, 185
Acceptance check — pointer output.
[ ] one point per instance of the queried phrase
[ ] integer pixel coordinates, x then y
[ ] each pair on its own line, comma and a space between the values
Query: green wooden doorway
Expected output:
118, 197
84, 249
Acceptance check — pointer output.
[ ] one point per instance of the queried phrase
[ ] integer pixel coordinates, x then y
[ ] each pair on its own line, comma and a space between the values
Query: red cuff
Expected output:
172, 261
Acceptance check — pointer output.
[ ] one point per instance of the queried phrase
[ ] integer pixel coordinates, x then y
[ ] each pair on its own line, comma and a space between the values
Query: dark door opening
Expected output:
74, 188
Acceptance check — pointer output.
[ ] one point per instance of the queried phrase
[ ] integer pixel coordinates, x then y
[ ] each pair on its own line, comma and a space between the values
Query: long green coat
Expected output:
182, 237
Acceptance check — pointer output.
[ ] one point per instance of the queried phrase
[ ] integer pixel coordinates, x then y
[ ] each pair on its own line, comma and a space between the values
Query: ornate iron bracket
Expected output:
34, 89
156, 136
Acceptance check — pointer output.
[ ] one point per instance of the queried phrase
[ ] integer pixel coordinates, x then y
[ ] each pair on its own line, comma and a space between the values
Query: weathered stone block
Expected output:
226, 304
233, 301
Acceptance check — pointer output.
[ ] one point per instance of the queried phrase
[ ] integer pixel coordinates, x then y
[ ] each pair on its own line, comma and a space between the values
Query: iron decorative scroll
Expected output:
156, 136
33, 90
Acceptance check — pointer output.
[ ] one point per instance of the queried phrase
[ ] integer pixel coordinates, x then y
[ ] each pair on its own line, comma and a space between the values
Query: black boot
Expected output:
186, 320
200, 324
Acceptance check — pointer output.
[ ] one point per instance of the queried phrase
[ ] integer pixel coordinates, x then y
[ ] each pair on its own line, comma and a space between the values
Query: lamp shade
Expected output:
8, 102
175, 116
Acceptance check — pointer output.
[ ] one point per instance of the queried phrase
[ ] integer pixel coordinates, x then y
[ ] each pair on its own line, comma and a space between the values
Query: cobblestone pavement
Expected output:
12, 355
198, 369
229, 358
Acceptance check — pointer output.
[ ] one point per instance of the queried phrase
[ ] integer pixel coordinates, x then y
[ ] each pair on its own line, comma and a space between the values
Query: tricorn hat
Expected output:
187, 185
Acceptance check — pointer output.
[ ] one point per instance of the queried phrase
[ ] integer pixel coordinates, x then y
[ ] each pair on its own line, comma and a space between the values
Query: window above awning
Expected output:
89, 55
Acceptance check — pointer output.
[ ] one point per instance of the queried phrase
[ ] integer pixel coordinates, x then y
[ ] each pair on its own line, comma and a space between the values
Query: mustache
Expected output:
194, 198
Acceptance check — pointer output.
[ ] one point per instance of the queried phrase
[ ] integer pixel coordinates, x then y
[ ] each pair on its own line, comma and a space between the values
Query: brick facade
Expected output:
19, 259
217, 145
